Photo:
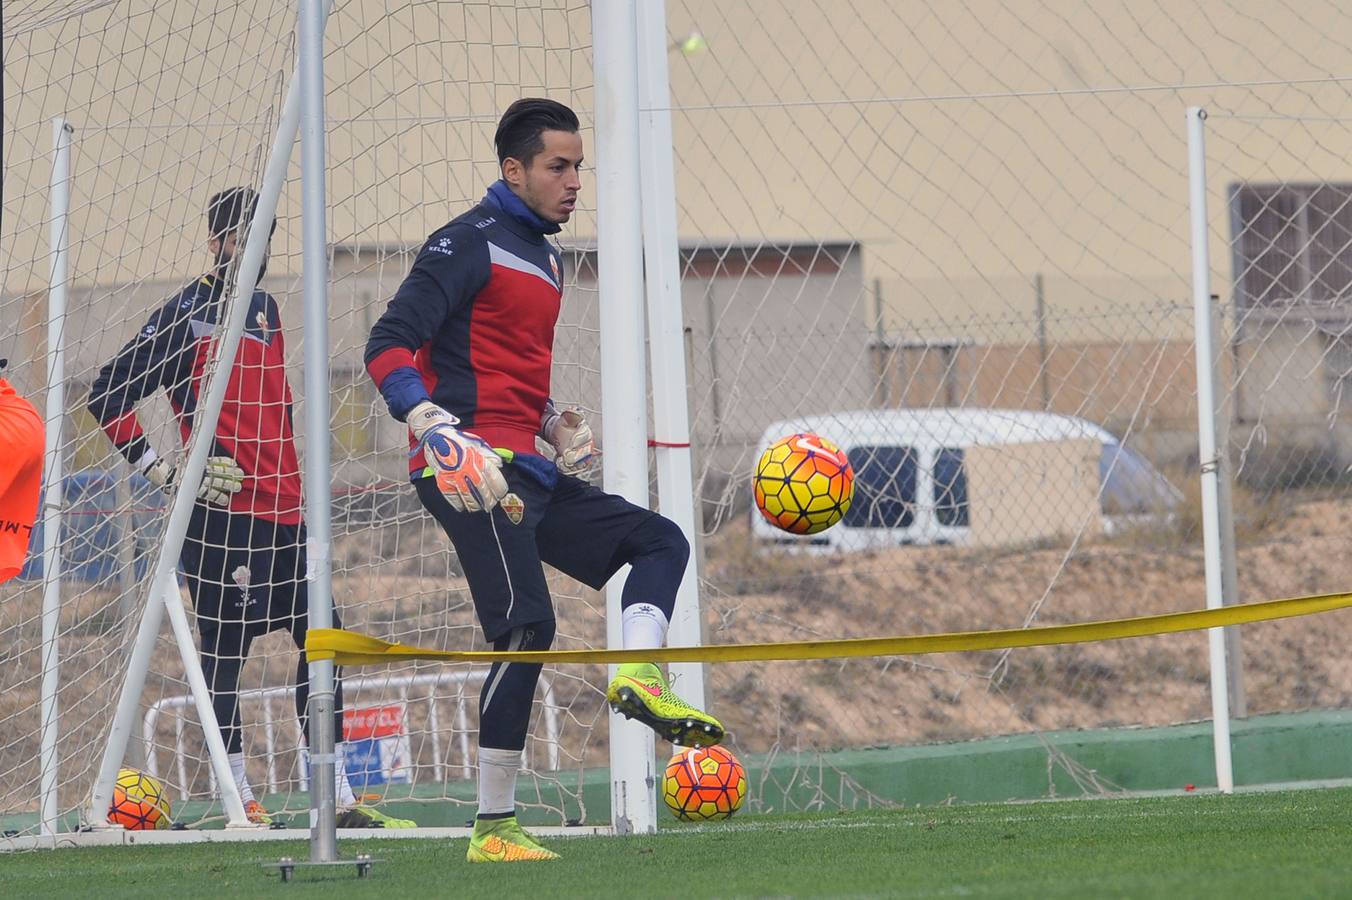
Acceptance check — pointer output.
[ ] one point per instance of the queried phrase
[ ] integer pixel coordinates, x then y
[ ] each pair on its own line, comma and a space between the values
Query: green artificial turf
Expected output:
1287, 844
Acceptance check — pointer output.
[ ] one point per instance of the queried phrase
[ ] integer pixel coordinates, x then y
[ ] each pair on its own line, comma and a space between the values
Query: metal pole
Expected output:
180, 509
1206, 442
666, 330
143, 646
127, 590
315, 274
623, 384
1041, 297
880, 346
53, 488
715, 384
697, 548
1234, 651
217, 754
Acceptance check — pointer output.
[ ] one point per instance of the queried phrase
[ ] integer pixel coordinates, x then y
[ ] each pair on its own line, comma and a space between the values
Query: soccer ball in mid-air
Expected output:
704, 783
140, 802
803, 483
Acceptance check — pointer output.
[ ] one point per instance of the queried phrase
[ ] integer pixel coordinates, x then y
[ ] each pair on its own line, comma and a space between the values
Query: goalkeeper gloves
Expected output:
468, 471
569, 434
221, 479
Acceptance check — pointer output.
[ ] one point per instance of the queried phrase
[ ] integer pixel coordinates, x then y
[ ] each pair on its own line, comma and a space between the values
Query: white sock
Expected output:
497, 780
241, 780
644, 626
342, 788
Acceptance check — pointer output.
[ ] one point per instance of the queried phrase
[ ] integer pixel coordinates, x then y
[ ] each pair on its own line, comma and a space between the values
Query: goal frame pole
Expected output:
666, 330
624, 408
315, 277
53, 484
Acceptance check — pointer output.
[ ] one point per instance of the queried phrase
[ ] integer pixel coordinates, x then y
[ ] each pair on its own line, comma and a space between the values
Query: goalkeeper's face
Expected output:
227, 246
550, 184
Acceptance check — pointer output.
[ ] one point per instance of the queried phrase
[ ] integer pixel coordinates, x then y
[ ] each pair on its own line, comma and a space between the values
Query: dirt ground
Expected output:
1288, 665
753, 596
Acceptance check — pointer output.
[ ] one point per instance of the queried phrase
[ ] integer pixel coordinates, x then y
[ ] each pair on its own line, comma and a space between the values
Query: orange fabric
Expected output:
21, 450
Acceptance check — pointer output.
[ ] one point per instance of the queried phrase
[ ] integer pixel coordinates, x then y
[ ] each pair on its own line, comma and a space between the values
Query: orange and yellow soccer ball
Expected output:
803, 483
140, 802
704, 783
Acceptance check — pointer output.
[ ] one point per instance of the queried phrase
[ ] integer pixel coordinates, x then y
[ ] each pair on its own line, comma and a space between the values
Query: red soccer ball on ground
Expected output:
704, 783
804, 483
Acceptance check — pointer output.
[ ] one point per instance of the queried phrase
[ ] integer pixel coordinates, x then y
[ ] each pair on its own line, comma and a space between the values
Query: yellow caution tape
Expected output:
348, 648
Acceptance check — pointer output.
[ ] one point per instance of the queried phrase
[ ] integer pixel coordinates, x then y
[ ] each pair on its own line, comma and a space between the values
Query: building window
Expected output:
1291, 244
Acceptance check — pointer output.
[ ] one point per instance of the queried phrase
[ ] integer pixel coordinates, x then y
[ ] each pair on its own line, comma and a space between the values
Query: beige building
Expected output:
1012, 178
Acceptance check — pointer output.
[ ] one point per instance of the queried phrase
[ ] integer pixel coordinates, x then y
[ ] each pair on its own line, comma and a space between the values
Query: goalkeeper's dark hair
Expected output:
232, 209
518, 134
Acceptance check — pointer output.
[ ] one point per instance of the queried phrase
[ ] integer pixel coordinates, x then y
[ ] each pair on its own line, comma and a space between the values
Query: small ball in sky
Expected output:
693, 44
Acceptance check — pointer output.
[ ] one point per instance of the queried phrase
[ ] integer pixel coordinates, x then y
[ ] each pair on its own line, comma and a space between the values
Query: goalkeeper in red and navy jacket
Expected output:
463, 354
244, 551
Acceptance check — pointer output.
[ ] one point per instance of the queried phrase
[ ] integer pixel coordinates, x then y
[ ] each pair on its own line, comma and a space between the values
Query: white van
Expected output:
913, 472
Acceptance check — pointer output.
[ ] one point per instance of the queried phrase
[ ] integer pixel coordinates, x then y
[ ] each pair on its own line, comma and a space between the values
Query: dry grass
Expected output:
750, 595
1285, 549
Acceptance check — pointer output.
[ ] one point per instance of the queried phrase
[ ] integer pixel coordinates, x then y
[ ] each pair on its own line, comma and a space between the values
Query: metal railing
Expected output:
447, 742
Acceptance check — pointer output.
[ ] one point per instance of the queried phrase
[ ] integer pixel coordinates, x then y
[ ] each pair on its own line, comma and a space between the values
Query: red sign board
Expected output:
373, 722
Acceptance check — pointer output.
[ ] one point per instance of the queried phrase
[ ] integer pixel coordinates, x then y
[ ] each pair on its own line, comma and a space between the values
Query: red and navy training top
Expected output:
472, 327
172, 351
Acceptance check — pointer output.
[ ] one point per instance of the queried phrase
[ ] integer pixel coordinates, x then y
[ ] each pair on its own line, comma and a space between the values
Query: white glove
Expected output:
468, 472
222, 478
567, 431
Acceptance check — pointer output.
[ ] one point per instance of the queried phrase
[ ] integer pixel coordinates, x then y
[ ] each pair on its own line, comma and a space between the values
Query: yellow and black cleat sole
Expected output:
684, 731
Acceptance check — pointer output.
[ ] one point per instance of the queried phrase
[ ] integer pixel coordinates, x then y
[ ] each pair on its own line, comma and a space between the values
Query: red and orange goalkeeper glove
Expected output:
468, 472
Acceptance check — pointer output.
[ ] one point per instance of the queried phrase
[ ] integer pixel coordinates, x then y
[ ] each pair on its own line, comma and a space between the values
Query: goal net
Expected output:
957, 241
169, 105
954, 241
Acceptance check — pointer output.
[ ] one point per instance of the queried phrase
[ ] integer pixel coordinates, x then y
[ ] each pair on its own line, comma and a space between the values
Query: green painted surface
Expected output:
1275, 749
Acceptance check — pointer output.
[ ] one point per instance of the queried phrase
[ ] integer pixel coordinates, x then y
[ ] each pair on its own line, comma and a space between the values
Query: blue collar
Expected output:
501, 196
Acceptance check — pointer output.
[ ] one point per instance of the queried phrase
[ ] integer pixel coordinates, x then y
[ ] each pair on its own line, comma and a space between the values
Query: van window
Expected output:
884, 487
1131, 485
950, 488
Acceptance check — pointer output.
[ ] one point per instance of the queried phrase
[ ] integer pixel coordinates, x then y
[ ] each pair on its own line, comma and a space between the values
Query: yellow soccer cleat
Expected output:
503, 840
370, 817
640, 692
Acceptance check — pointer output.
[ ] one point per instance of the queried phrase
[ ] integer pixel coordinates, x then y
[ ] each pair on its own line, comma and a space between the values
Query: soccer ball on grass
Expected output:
140, 802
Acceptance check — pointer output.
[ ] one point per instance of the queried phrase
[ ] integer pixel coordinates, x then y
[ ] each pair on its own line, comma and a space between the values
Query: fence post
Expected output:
1209, 454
